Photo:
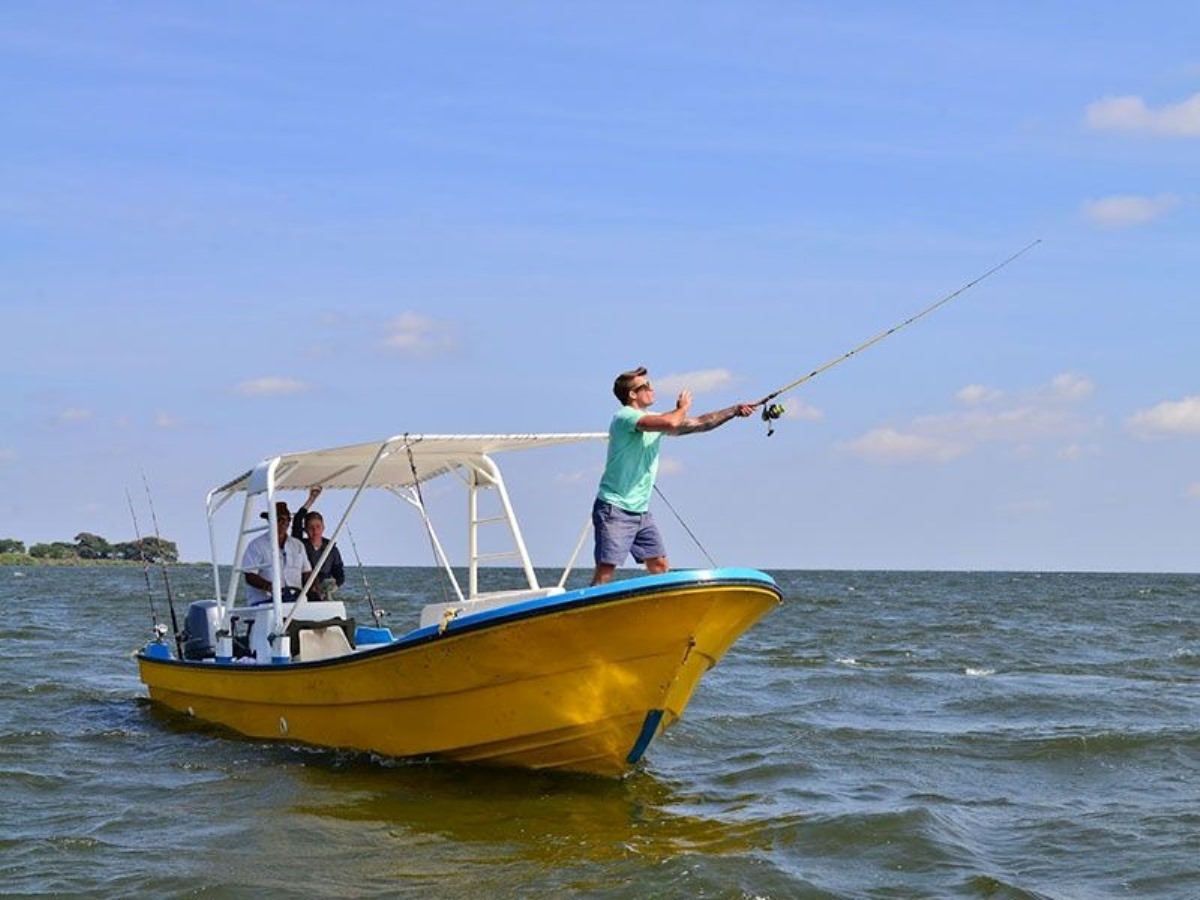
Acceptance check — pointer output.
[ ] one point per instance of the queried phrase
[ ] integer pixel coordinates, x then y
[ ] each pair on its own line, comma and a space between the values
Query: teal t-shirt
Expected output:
632, 463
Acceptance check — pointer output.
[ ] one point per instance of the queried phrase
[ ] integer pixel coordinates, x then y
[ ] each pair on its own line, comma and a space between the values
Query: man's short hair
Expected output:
624, 380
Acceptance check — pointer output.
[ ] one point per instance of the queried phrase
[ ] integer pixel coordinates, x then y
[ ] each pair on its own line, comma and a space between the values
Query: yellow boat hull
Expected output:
578, 684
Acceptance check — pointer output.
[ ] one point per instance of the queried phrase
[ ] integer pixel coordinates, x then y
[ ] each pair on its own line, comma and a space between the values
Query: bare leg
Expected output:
656, 565
603, 574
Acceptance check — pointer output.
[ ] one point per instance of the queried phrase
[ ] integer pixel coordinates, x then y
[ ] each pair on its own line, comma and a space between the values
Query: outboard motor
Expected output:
200, 630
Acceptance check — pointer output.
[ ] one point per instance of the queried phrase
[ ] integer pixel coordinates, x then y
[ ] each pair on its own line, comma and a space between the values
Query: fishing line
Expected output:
774, 411
663, 496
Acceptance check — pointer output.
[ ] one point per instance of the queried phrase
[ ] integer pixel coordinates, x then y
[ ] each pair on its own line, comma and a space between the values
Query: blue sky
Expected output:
234, 229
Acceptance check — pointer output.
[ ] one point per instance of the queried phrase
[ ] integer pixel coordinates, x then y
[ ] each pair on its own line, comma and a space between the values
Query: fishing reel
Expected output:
771, 412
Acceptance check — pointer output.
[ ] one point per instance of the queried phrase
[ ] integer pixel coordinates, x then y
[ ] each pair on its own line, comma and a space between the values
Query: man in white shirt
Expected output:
256, 562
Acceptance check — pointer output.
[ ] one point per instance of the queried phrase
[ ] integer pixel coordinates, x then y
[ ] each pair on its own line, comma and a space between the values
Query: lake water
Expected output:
882, 734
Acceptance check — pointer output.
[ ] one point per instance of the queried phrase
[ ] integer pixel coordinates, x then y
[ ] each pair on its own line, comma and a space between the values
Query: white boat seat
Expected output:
321, 643
321, 640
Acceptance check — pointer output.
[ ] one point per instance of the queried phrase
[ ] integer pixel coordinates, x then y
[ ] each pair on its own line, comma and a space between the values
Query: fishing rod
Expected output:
376, 613
772, 411
159, 629
162, 562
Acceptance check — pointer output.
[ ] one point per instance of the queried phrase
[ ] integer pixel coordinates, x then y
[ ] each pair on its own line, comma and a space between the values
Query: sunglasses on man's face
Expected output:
645, 386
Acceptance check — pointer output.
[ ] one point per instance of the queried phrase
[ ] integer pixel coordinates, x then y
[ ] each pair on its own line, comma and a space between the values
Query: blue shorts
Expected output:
620, 532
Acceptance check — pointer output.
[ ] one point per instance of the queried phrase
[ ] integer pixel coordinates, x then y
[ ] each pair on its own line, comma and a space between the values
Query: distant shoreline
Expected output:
24, 559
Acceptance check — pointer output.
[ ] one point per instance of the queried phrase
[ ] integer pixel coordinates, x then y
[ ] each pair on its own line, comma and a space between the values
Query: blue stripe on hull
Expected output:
649, 729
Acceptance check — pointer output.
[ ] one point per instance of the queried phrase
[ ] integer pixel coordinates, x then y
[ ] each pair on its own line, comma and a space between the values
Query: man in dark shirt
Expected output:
309, 526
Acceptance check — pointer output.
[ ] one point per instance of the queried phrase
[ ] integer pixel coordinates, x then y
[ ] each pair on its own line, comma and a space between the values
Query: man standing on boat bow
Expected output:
621, 513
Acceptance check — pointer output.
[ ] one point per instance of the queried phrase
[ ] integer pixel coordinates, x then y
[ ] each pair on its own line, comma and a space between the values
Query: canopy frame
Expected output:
397, 465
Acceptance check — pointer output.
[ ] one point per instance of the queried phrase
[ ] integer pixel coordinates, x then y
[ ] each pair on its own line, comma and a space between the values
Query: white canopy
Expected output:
431, 455
397, 464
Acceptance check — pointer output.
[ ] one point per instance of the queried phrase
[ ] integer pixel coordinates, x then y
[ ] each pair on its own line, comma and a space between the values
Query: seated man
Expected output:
293, 561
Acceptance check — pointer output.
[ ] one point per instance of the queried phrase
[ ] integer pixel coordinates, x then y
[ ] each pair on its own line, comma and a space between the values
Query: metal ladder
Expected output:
487, 477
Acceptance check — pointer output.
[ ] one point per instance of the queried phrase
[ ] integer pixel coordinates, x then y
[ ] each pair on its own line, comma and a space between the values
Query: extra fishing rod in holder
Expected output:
774, 411
159, 629
163, 564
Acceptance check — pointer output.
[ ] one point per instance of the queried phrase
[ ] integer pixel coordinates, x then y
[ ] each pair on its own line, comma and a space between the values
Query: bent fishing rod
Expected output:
774, 411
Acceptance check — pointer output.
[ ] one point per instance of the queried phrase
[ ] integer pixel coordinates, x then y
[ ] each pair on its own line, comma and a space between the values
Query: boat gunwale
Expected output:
579, 598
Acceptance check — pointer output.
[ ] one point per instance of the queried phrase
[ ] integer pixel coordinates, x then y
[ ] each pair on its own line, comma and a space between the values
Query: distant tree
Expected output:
56, 550
126, 550
131, 550
152, 548
92, 546
162, 549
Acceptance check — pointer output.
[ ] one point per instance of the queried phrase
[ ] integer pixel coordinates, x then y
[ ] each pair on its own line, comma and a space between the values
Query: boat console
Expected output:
318, 629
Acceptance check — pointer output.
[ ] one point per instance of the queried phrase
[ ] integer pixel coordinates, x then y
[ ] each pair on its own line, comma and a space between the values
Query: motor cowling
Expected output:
200, 630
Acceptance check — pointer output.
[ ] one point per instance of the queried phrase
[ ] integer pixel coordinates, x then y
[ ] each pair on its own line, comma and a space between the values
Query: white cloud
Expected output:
1012, 424
1193, 490
1023, 421
420, 337
890, 445
1171, 417
1065, 387
166, 420
704, 381
7, 454
73, 414
1017, 418
271, 386
1130, 113
974, 394
1070, 386
1125, 211
798, 409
